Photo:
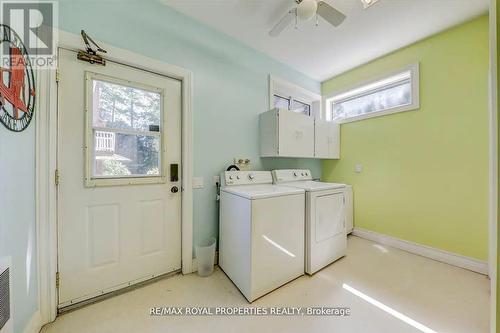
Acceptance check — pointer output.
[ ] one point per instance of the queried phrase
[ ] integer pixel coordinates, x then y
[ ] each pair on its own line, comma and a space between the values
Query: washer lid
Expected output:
261, 191
311, 186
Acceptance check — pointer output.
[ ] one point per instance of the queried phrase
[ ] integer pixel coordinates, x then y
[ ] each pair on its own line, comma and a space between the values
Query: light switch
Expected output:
198, 182
358, 168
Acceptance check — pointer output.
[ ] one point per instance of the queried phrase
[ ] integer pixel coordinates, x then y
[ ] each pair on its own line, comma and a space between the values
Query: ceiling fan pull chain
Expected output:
296, 19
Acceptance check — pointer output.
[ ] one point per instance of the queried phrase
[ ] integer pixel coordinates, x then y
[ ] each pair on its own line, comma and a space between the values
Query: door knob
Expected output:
174, 189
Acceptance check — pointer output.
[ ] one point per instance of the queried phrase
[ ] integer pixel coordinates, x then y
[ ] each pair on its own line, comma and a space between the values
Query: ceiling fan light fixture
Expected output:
368, 3
307, 9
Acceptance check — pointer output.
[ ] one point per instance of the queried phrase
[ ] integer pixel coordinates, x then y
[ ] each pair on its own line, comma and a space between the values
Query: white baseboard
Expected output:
35, 323
454, 259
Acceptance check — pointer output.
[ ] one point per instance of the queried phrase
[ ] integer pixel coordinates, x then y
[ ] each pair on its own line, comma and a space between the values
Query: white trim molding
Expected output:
35, 324
46, 193
446, 257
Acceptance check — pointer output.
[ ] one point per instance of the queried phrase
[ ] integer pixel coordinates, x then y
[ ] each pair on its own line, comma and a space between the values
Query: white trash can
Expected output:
205, 254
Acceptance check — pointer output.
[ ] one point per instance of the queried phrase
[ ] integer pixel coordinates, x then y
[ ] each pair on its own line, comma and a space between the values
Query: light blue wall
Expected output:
17, 219
230, 83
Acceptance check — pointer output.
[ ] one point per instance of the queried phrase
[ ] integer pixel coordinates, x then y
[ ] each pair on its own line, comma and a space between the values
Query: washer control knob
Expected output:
251, 176
231, 177
237, 177
295, 174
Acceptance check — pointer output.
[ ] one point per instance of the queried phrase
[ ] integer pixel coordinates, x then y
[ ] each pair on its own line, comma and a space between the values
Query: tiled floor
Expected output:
387, 290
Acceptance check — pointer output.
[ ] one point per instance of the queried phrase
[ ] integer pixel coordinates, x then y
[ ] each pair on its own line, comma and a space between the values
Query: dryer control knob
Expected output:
251, 176
295, 174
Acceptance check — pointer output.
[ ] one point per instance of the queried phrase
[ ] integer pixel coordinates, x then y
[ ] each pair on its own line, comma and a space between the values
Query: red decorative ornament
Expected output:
17, 83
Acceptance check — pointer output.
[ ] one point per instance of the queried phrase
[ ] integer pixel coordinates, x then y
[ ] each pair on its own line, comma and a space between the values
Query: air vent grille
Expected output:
4, 297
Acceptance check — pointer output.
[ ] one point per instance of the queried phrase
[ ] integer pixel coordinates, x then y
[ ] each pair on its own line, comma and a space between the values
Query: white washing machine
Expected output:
325, 234
261, 232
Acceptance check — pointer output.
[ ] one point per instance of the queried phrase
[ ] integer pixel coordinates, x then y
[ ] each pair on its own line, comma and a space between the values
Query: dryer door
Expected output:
326, 233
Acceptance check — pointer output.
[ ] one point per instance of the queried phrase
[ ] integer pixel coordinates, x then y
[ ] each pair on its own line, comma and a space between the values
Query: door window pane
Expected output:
123, 107
126, 130
125, 155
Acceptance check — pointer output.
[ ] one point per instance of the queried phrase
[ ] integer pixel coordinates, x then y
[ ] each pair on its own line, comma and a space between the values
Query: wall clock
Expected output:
17, 82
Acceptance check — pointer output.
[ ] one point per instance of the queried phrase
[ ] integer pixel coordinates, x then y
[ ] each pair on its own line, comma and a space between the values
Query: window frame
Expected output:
287, 90
415, 95
89, 149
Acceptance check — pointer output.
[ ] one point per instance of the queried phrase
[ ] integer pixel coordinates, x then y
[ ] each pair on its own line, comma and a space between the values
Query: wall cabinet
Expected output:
326, 139
286, 133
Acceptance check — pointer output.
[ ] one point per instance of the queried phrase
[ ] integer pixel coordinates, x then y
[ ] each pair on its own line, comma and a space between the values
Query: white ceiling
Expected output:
324, 51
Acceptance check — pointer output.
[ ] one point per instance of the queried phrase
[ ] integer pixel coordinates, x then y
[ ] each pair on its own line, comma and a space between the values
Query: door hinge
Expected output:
56, 177
57, 280
58, 76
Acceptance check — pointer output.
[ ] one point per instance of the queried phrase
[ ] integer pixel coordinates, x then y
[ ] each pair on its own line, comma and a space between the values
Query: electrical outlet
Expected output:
215, 180
358, 168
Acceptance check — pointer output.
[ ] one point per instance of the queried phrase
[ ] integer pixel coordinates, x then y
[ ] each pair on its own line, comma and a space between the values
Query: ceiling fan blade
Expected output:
333, 16
283, 23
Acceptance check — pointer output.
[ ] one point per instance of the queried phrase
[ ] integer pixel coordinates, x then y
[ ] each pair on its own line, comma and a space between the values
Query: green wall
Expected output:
425, 172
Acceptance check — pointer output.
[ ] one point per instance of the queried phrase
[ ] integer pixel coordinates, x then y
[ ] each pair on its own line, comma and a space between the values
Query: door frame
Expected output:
46, 164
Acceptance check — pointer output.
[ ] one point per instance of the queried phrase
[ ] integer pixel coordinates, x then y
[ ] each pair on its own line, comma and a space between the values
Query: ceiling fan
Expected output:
304, 11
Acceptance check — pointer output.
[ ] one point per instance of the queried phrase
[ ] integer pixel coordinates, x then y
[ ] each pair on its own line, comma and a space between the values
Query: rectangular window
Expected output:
288, 103
125, 132
285, 95
394, 93
301, 107
281, 102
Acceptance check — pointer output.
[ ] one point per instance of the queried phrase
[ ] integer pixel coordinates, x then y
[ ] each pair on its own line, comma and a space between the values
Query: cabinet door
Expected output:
326, 139
296, 135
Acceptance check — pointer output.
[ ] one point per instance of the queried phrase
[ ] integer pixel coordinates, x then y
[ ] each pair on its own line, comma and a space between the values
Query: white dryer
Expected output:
261, 232
325, 234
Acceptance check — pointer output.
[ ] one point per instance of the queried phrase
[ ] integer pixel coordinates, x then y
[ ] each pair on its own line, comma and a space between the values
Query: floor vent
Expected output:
5, 300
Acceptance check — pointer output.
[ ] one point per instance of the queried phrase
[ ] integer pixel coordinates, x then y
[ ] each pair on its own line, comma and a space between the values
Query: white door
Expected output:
326, 238
119, 155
